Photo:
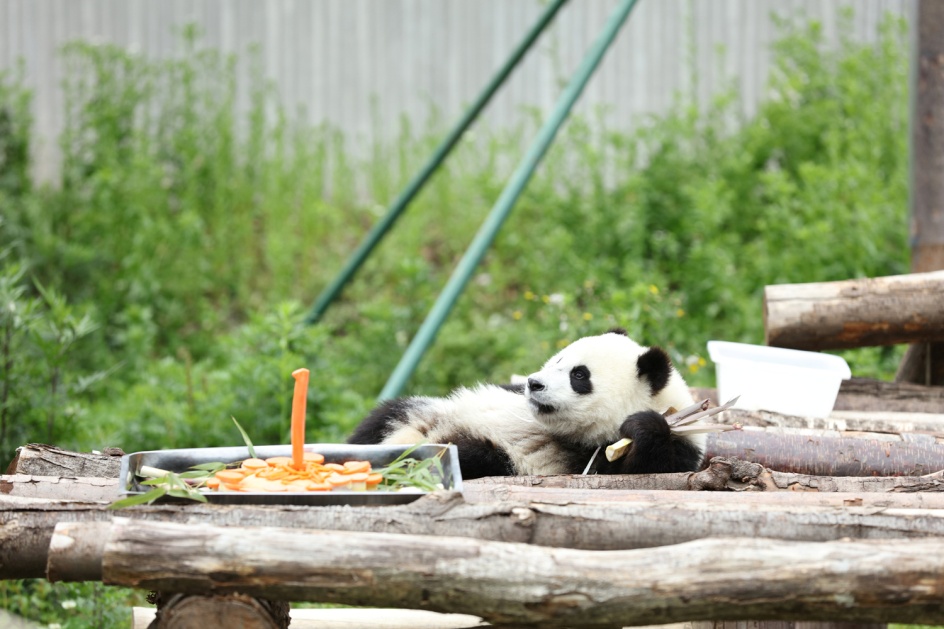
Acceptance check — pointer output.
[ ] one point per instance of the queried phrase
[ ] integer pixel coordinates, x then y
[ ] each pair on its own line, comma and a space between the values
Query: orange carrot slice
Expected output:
213, 483
313, 457
275, 461
230, 476
254, 464
338, 481
354, 467
299, 402
373, 480
334, 467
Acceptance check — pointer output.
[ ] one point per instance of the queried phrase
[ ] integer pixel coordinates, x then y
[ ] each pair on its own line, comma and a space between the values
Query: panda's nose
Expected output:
535, 385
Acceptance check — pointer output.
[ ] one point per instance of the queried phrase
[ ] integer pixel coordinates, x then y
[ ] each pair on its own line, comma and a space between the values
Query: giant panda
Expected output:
593, 392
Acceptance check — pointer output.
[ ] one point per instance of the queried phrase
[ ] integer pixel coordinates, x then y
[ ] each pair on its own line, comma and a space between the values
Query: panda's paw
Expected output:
646, 427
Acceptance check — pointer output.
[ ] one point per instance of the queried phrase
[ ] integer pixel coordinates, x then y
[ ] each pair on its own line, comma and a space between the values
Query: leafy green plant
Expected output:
406, 472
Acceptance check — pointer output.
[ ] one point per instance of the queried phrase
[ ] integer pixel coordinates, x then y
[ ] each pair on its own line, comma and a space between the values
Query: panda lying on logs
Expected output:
592, 393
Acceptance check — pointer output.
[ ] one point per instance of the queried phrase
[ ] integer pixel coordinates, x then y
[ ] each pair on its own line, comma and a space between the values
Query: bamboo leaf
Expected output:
252, 451
139, 499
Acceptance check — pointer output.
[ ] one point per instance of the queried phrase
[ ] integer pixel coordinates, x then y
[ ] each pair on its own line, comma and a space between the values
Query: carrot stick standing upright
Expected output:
299, 402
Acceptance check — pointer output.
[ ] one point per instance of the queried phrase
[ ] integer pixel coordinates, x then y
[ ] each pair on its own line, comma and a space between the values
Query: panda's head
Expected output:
585, 391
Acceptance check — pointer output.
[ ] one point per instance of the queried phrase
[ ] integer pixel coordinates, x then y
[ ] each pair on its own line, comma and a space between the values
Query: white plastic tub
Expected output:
787, 381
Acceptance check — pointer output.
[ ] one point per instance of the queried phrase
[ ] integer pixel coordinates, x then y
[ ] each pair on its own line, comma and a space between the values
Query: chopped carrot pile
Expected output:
279, 473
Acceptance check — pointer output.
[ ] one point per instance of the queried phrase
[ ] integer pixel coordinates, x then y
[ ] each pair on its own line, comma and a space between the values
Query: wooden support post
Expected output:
924, 362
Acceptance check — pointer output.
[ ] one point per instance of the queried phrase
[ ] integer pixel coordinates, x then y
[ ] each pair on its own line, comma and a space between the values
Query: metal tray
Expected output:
378, 455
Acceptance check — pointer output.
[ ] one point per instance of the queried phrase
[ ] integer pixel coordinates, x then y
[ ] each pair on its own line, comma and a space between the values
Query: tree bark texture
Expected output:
37, 459
54, 487
75, 551
924, 361
828, 456
185, 611
733, 578
855, 313
927, 140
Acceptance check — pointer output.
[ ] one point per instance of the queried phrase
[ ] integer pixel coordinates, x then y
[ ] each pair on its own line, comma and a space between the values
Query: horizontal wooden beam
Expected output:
855, 313
729, 578
790, 506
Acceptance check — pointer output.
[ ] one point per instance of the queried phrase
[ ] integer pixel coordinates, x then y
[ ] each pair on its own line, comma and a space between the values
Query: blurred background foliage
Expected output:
157, 288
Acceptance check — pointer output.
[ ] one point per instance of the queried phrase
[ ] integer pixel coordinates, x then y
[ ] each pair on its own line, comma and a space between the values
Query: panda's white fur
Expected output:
589, 394
617, 392
486, 413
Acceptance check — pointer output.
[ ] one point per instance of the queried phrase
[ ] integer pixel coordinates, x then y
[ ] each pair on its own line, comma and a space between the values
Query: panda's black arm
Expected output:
376, 426
654, 448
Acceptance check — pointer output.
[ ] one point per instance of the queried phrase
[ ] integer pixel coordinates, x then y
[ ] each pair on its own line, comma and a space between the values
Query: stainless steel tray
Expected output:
378, 455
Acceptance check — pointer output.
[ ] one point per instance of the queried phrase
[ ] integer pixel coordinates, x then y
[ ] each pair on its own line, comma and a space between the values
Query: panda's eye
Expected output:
580, 380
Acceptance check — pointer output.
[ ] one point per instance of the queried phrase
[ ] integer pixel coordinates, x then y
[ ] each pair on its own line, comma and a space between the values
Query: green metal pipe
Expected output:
489, 229
416, 184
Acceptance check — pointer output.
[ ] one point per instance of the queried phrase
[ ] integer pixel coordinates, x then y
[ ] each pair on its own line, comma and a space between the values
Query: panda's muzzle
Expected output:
536, 386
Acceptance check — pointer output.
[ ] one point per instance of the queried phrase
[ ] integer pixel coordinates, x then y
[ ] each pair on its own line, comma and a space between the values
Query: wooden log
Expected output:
855, 313
731, 474
730, 578
37, 459
895, 426
797, 499
923, 364
54, 487
866, 394
828, 456
587, 519
352, 618
234, 609
75, 551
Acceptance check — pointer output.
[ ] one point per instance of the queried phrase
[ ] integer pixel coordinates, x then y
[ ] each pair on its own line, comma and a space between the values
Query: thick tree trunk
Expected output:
924, 362
855, 313
525, 584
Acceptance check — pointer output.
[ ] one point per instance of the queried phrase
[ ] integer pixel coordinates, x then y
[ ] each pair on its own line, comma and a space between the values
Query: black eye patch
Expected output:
580, 380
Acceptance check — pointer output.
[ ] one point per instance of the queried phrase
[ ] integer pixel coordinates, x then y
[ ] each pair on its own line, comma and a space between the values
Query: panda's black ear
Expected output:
655, 367
617, 331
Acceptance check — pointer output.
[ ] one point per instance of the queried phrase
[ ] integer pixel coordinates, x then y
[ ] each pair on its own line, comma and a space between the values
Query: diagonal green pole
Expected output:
489, 229
416, 184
